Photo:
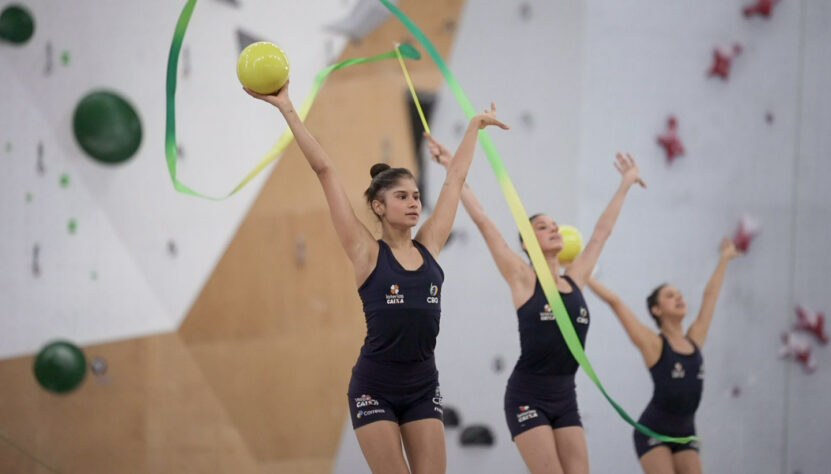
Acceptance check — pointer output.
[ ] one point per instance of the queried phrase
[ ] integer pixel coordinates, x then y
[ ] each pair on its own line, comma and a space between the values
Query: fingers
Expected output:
620, 163
252, 93
493, 121
433, 147
624, 163
490, 111
728, 248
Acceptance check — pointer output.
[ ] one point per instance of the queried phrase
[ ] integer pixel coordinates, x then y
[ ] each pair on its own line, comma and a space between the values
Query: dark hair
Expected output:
383, 177
530, 219
652, 300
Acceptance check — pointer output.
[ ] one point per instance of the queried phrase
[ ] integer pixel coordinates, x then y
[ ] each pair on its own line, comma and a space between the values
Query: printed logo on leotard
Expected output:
362, 413
584, 316
437, 396
678, 371
701, 372
395, 296
547, 314
434, 291
652, 442
364, 401
525, 414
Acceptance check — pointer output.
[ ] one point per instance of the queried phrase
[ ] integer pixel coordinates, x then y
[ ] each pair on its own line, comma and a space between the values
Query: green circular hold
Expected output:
60, 366
16, 24
107, 127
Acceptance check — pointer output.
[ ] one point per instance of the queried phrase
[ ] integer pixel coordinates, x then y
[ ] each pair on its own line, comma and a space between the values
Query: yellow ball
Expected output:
263, 67
572, 243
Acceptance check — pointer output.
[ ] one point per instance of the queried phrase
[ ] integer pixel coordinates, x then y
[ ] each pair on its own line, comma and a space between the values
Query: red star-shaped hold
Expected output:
670, 141
722, 61
799, 348
813, 322
747, 229
761, 7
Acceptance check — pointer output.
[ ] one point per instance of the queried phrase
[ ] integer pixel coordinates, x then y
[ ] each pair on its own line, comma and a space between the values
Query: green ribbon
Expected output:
285, 139
521, 218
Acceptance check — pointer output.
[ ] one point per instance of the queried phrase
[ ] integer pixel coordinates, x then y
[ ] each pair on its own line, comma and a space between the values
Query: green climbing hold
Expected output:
16, 24
60, 366
64, 180
107, 127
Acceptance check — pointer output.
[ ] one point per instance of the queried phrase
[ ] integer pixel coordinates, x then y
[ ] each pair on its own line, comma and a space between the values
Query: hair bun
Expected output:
378, 168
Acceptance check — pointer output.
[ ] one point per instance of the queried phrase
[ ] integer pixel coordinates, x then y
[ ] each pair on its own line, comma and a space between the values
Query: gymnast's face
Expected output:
401, 205
548, 234
671, 304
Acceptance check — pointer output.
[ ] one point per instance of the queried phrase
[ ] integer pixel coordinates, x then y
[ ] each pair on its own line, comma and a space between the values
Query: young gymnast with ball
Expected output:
393, 394
540, 398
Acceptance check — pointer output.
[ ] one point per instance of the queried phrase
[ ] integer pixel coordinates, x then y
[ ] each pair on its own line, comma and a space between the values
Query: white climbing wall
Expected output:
116, 277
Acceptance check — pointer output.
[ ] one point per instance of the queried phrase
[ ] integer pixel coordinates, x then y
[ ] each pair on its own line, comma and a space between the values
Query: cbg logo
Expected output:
434, 291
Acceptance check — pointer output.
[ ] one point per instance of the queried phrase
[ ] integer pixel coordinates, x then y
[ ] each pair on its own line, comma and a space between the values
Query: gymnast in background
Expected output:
676, 365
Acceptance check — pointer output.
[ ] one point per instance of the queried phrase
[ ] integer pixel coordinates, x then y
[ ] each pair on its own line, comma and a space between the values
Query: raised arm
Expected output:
511, 265
435, 230
642, 336
355, 238
699, 328
583, 265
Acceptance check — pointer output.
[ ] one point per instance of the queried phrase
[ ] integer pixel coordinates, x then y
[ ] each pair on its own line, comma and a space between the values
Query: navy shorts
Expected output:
392, 391
540, 400
667, 424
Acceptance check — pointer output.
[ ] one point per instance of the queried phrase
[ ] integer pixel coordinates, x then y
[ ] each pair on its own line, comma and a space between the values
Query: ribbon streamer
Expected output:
285, 139
525, 229
412, 89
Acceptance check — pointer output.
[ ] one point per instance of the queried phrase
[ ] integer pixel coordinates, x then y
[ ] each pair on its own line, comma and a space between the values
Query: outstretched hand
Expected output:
728, 249
439, 152
628, 169
488, 117
279, 99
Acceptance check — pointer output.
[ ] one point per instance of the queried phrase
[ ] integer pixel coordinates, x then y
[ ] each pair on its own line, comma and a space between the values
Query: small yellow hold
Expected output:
263, 67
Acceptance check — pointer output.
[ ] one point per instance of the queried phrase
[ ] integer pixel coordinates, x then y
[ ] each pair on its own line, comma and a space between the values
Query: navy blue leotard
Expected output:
541, 390
679, 382
395, 377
